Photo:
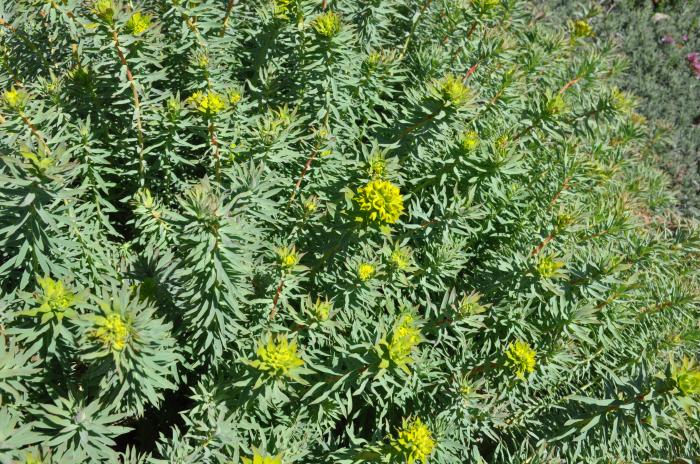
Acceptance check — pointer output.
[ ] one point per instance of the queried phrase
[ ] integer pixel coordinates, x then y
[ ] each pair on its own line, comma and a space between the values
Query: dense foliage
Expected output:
659, 39
343, 231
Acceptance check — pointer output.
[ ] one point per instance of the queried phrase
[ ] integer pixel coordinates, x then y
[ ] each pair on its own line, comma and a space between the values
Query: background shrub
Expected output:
657, 38
309, 231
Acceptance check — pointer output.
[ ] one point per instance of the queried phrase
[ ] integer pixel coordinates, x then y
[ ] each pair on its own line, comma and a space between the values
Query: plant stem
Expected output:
303, 173
137, 106
227, 16
215, 147
413, 29
273, 313
35, 132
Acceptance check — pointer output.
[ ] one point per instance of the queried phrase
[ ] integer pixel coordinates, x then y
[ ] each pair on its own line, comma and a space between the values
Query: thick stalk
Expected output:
227, 16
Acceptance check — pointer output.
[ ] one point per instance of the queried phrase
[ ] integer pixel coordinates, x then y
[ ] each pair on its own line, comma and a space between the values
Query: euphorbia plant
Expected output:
332, 231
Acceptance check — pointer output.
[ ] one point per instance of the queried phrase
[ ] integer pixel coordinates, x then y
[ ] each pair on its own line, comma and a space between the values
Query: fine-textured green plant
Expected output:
657, 37
333, 232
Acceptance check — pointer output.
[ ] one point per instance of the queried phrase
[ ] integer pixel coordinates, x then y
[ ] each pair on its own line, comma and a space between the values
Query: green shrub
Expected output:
657, 37
309, 231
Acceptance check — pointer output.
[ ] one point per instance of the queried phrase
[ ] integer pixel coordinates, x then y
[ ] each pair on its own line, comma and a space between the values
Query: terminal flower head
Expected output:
414, 441
521, 358
380, 202
327, 24
138, 23
277, 357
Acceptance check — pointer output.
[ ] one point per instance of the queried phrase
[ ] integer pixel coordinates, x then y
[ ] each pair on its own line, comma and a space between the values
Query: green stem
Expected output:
137, 107
413, 29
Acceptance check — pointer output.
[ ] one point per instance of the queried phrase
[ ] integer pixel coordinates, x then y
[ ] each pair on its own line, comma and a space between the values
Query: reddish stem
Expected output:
569, 84
544, 243
564, 186
471, 30
35, 132
303, 173
471, 71
275, 299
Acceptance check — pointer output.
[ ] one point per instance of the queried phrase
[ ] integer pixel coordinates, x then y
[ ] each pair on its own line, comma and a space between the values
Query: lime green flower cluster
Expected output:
200, 59
277, 357
234, 96
470, 306
400, 258
377, 166
288, 257
373, 60
138, 23
485, 5
521, 358
15, 99
454, 91
275, 122
208, 102
311, 205
280, 8
260, 457
502, 142
322, 309
327, 24
556, 105
376, 60
365, 271
380, 201
173, 107
112, 331
580, 29
621, 101
41, 161
322, 135
414, 441
405, 337
470, 140
549, 267
284, 116
687, 377
564, 220
104, 9
143, 197
689, 382
465, 389
55, 301
31, 458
